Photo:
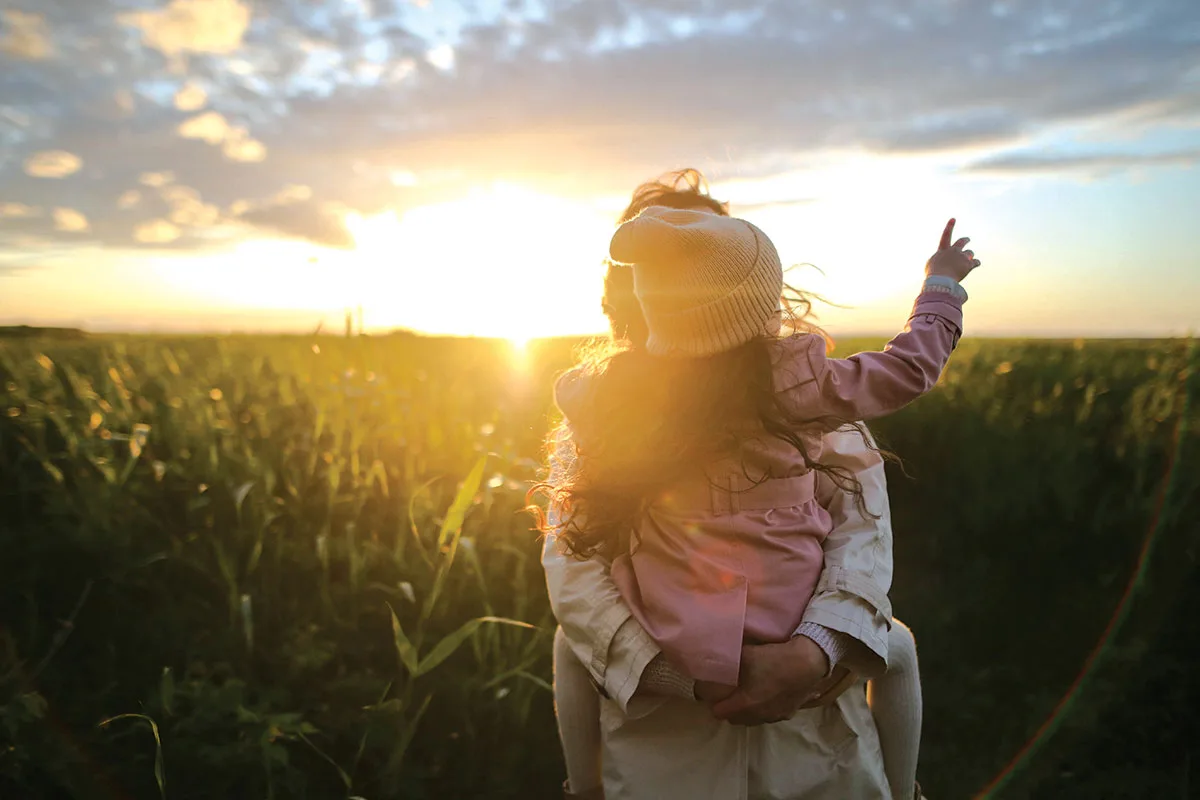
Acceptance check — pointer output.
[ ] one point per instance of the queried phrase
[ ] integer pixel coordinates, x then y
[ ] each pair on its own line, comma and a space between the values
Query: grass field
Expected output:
297, 567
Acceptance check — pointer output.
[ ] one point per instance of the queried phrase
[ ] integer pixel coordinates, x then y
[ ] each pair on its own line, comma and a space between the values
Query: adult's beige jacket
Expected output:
672, 749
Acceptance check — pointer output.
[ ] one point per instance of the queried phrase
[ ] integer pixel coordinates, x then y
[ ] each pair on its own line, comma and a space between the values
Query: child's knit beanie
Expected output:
706, 283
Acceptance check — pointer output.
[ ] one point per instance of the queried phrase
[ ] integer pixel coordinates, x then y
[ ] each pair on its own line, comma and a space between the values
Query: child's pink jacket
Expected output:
733, 556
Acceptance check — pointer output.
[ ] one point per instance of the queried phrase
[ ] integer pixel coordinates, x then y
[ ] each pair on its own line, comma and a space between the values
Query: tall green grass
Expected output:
298, 567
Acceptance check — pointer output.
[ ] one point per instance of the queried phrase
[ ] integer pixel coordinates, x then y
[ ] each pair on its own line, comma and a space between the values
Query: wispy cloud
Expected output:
1027, 163
315, 222
26, 35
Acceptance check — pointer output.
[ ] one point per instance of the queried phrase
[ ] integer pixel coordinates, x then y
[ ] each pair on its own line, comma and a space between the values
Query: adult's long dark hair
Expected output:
645, 423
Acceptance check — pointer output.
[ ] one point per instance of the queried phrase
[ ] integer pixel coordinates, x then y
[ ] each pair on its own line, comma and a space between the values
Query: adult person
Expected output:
658, 740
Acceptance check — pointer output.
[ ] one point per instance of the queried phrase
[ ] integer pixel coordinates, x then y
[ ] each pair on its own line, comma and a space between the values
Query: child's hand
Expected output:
952, 261
709, 692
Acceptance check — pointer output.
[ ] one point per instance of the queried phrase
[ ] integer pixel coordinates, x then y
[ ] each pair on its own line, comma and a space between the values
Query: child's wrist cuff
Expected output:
946, 285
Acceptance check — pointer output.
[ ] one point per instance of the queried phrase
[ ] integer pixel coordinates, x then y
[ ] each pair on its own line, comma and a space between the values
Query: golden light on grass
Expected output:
519, 355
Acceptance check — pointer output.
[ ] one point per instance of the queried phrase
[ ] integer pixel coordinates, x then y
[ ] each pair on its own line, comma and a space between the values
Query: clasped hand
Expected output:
775, 681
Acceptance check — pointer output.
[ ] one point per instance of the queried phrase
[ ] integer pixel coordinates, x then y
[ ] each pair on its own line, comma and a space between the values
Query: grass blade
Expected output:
160, 773
410, 732
451, 531
446, 647
404, 648
412, 521
452, 524
341, 772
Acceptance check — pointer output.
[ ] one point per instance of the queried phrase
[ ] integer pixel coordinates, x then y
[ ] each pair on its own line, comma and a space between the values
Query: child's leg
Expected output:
895, 701
577, 707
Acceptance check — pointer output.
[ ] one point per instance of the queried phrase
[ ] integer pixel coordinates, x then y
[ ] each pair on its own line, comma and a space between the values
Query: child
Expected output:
697, 456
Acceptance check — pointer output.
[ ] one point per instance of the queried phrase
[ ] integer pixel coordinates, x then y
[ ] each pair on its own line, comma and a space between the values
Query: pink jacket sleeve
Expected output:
871, 385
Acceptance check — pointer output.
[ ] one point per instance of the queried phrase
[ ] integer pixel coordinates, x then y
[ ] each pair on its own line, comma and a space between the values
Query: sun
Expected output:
503, 261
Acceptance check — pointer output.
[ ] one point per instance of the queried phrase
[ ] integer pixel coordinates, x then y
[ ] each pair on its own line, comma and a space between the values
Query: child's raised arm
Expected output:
870, 385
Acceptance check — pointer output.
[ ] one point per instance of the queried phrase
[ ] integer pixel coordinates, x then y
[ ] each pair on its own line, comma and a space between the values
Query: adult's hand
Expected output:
828, 690
775, 681
709, 692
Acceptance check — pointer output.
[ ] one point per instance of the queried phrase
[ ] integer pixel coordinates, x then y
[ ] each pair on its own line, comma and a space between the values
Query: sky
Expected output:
455, 166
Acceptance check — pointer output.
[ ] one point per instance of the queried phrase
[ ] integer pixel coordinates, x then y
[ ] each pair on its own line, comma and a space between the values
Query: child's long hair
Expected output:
649, 422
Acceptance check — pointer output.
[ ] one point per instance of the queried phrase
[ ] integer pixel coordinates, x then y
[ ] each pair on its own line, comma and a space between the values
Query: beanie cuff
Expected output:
725, 324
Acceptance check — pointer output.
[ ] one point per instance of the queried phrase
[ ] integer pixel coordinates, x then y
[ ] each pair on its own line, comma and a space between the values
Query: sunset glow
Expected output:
500, 261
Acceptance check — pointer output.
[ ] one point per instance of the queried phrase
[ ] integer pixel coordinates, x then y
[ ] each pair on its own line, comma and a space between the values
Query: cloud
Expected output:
28, 260
314, 222
156, 180
240, 147
156, 231
798, 81
288, 195
52, 164
967, 128
1027, 163
209, 127
18, 211
214, 129
190, 97
10, 269
193, 26
69, 220
26, 36
441, 57
292, 193
188, 209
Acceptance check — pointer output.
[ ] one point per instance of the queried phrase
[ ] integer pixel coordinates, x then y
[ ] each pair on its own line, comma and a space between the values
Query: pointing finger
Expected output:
946, 234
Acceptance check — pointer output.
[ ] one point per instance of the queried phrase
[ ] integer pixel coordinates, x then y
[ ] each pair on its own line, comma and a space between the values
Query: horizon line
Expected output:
27, 330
